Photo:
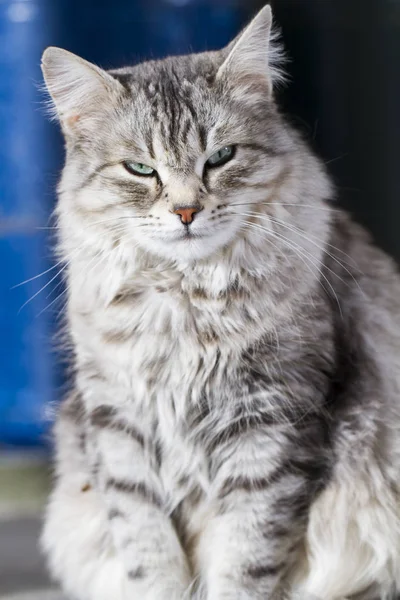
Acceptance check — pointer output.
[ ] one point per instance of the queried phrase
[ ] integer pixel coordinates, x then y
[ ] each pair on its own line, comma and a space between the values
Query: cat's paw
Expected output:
161, 587
174, 584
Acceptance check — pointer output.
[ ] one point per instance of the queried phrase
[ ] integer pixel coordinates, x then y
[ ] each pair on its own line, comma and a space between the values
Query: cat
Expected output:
232, 430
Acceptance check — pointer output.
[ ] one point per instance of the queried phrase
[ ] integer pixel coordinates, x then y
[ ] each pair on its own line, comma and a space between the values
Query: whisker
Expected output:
98, 222
245, 226
301, 252
299, 232
352, 263
340, 263
52, 302
46, 228
44, 287
68, 286
40, 274
332, 160
298, 204
76, 249
55, 288
311, 259
272, 234
119, 218
67, 259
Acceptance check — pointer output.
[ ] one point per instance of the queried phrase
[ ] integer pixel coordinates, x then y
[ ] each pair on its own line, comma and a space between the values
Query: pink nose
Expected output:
186, 213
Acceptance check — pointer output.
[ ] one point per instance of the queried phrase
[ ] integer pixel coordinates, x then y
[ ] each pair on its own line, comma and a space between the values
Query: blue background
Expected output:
110, 34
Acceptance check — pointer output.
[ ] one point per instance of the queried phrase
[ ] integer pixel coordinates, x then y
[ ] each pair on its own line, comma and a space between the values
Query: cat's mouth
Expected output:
191, 235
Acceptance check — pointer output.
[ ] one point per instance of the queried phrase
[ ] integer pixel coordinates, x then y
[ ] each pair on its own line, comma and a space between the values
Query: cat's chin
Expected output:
186, 248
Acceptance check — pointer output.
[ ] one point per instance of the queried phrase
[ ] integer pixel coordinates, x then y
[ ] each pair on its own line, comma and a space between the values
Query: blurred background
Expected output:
344, 94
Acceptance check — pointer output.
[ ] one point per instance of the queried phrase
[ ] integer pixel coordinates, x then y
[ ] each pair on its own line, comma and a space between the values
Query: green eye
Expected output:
221, 156
139, 169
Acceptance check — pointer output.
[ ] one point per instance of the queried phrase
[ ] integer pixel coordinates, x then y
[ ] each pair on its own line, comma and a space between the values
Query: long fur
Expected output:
232, 432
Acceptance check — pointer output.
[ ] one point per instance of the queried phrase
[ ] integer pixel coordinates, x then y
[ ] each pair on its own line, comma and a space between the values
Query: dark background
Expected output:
346, 88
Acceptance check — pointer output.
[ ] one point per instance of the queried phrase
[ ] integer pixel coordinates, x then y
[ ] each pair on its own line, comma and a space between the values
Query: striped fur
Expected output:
233, 429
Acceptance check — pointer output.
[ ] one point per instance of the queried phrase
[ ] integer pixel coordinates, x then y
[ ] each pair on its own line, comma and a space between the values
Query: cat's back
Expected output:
364, 276
367, 307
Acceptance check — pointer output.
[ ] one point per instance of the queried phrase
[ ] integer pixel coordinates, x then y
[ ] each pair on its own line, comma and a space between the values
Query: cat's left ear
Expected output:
253, 58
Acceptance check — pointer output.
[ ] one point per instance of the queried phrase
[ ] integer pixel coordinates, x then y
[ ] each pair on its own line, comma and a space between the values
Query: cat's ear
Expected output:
79, 89
253, 57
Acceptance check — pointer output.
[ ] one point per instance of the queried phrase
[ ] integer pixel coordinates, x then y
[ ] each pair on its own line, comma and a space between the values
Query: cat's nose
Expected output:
187, 213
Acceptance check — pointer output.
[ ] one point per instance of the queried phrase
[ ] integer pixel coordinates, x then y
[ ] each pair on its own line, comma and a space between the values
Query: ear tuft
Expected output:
255, 53
78, 88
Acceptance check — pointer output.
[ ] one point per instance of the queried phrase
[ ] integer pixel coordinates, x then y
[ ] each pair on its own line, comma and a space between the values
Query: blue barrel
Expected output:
111, 33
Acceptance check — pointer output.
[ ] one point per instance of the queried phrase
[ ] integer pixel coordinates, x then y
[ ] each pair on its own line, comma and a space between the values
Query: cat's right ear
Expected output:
79, 89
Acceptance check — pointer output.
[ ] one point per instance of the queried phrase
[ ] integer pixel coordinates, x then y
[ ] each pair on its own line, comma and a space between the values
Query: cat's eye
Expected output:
139, 169
221, 156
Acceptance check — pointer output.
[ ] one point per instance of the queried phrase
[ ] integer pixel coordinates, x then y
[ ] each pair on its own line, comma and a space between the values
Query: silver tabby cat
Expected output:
233, 429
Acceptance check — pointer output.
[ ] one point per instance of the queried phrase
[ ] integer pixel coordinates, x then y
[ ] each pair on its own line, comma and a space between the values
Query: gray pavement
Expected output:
24, 484
22, 570
38, 595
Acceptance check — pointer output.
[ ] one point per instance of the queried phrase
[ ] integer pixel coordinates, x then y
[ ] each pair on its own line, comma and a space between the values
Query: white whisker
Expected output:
89, 267
40, 275
245, 227
70, 255
44, 287
298, 204
350, 264
302, 253
299, 232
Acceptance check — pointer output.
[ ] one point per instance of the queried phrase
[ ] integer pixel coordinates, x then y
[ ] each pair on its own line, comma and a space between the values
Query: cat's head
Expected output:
172, 155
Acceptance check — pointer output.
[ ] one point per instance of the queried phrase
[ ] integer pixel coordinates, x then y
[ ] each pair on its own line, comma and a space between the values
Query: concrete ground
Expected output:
22, 567
39, 595
24, 484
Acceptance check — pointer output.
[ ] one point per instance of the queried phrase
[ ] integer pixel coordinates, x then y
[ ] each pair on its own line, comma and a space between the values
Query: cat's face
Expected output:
172, 155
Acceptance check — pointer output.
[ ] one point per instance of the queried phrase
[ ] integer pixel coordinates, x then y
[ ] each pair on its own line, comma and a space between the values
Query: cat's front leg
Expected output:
143, 534
264, 482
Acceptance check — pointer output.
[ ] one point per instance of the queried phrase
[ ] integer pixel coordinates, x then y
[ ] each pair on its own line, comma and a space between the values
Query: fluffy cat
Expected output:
233, 429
